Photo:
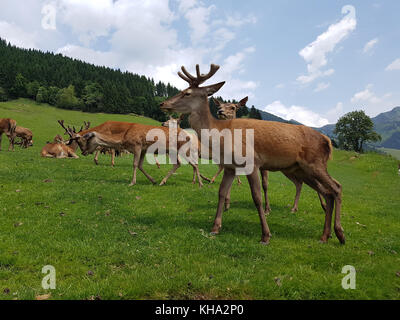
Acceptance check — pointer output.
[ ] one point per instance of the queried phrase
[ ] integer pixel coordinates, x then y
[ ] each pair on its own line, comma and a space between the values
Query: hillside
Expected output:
270, 117
387, 124
111, 241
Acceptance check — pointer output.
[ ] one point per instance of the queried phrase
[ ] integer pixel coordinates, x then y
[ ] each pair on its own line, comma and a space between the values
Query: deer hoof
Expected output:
264, 243
294, 210
132, 184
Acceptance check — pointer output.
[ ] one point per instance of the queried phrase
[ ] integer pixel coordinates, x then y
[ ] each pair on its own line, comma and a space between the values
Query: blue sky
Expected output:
311, 61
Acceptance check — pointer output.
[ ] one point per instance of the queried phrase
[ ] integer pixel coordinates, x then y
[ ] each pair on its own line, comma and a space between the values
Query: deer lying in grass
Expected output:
227, 111
8, 127
25, 135
297, 149
58, 149
126, 136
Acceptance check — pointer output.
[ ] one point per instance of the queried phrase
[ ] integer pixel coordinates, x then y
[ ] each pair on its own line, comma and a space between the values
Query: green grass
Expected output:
151, 242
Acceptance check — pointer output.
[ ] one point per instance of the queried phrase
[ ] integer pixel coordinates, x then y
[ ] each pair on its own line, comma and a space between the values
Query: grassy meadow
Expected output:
107, 240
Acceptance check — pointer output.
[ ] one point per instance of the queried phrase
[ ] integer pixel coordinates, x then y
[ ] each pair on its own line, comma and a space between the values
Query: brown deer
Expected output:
58, 149
175, 123
8, 127
297, 149
25, 135
227, 111
126, 136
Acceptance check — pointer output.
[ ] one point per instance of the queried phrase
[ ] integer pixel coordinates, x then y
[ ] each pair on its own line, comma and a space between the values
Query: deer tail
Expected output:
327, 147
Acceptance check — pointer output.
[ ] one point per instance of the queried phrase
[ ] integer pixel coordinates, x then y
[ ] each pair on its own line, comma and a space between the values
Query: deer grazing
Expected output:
58, 149
295, 149
127, 136
8, 127
25, 135
227, 111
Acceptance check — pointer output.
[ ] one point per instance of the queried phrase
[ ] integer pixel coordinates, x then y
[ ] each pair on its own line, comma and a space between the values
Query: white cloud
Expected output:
372, 103
137, 36
315, 53
280, 86
395, 65
298, 113
17, 36
334, 114
322, 86
370, 45
366, 95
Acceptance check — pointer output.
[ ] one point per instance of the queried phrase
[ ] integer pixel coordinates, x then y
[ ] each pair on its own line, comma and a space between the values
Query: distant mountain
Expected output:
270, 117
387, 124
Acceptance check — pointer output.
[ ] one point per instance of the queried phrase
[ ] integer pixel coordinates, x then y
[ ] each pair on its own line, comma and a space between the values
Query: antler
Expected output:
196, 81
68, 130
87, 124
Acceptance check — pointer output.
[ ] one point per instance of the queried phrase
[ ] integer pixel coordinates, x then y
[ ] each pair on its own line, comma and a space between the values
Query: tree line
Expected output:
73, 84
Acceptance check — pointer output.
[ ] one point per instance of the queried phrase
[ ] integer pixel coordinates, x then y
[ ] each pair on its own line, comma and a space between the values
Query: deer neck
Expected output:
201, 118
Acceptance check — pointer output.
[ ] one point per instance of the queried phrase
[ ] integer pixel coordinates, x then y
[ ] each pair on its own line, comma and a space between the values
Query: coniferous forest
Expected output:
72, 84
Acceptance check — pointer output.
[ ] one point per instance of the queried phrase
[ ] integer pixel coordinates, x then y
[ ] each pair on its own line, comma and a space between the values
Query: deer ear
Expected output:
214, 88
217, 103
243, 102
89, 135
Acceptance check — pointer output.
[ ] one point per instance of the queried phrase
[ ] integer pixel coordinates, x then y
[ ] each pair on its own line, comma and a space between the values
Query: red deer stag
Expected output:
227, 111
297, 149
8, 127
126, 136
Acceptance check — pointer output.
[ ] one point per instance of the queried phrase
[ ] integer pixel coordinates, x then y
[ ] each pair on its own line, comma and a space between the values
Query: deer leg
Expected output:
136, 159
157, 163
321, 200
255, 187
220, 169
96, 157
238, 180
264, 179
196, 172
1, 135
194, 175
171, 172
112, 157
298, 185
229, 175
11, 145
143, 154
228, 199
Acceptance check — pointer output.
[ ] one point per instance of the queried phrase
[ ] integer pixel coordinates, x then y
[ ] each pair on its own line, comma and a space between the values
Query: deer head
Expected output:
194, 97
76, 137
172, 122
227, 111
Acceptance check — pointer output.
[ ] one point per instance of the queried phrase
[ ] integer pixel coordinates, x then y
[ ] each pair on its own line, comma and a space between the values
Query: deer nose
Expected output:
161, 104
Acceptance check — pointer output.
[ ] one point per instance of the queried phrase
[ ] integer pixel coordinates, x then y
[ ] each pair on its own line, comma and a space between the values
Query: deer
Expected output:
127, 136
227, 111
8, 127
175, 123
25, 135
276, 146
58, 149
103, 150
